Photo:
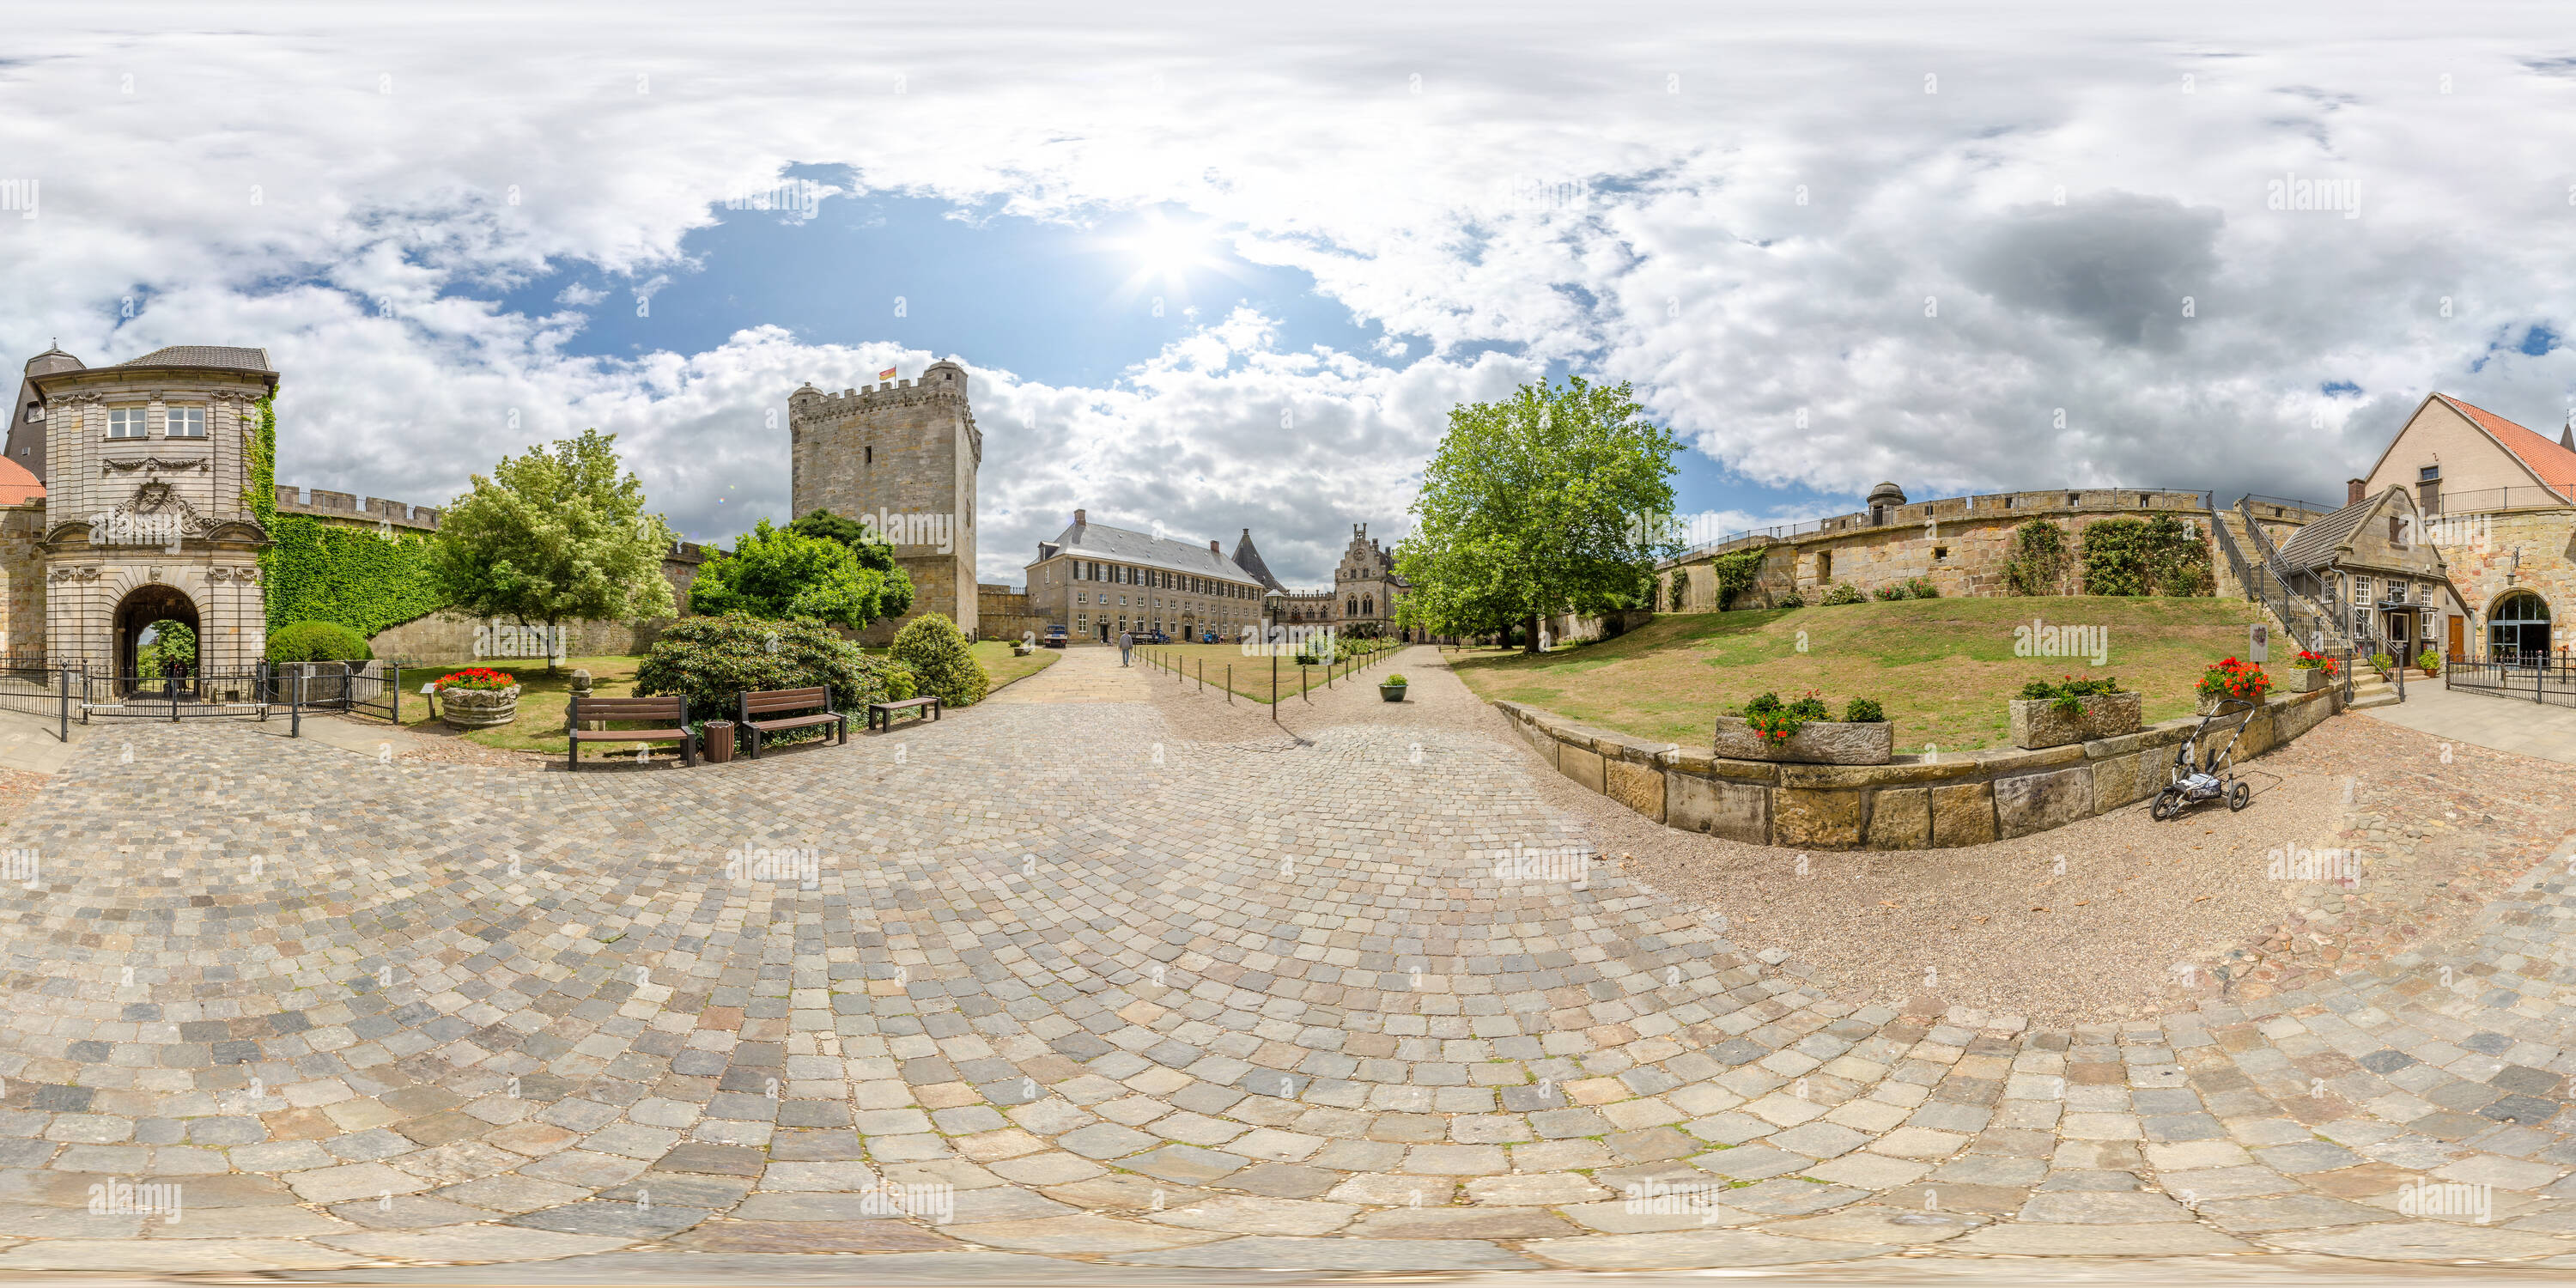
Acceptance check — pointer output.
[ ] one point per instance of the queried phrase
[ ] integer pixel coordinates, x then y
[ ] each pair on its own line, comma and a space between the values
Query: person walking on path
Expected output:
1126, 647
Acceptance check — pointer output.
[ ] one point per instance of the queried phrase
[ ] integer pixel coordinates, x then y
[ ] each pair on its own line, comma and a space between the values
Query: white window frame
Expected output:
2361, 589
138, 418
193, 414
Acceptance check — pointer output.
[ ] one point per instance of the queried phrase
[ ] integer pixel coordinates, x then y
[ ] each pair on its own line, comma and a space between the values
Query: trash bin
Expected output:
719, 739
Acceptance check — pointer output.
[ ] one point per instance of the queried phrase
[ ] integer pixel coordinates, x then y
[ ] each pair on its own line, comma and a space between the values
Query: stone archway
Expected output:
140, 608
2518, 626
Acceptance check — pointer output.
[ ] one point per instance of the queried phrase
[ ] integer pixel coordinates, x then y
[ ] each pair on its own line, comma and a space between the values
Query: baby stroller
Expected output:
2213, 779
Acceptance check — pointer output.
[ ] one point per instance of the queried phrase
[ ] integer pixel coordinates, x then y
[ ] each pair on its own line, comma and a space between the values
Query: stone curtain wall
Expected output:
22, 573
1976, 532
1908, 804
442, 638
1004, 613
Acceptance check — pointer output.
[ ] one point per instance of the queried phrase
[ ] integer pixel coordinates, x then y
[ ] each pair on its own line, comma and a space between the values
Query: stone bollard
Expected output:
581, 689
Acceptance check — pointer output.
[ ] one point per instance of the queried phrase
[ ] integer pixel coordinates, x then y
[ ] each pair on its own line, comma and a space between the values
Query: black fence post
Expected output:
65, 675
295, 701
396, 669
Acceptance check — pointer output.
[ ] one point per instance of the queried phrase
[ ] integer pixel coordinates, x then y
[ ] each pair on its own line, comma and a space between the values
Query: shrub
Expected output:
1735, 574
935, 651
1863, 711
1845, 593
1922, 588
1396, 680
2039, 565
1886, 593
712, 660
2430, 661
1791, 600
2382, 661
1774, 721
2157, 556
317, 642
1758, 705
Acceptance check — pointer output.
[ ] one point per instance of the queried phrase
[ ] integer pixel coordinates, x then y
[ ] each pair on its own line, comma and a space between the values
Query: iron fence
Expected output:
2538, 678
191, 692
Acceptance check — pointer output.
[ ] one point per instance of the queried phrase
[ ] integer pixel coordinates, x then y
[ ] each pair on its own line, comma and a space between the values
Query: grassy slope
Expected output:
1942, 668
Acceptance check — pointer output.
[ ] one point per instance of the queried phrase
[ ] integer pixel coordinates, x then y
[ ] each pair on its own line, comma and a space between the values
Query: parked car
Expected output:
1055, 636
1152, 637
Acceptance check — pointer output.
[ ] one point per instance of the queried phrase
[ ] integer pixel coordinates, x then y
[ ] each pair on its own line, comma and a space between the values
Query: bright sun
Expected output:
1168, 255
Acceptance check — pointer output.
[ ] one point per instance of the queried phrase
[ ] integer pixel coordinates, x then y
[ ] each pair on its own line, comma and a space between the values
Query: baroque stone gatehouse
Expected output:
900, 457
143, 513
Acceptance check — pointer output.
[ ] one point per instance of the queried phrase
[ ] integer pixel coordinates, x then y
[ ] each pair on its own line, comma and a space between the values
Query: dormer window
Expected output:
186, 422
125, 422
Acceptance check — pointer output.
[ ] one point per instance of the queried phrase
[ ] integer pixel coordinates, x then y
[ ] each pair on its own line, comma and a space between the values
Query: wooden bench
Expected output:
881, 714
672, 714
774, 700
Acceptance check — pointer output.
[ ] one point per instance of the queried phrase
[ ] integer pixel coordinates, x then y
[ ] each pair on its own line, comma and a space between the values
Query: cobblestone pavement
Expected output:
1045, 978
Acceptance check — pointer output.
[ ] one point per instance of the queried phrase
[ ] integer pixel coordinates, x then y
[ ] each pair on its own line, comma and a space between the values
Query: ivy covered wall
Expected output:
318, 571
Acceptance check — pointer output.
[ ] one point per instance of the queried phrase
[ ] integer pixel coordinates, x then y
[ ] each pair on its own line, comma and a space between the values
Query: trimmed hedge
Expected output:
935, 651
317, 642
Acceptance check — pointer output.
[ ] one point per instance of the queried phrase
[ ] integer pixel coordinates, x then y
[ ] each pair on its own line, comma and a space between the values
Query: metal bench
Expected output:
673, 710
773, 700
881, 714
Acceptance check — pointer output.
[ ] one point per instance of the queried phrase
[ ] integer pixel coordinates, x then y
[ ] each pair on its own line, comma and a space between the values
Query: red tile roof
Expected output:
17, 486
2555, 465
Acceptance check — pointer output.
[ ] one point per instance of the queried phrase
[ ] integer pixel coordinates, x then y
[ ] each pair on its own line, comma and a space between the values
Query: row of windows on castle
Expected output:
136, 422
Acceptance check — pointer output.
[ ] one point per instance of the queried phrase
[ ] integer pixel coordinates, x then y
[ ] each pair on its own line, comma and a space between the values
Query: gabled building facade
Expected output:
2388, 586
2499, 502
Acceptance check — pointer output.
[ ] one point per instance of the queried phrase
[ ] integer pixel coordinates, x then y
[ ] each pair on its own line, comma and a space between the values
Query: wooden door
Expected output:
2455, 635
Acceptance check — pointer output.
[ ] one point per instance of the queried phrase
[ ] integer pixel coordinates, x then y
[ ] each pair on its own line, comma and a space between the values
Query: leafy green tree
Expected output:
1548, 501
173, 645
874, 555
779, 573
555, 536
2157, 556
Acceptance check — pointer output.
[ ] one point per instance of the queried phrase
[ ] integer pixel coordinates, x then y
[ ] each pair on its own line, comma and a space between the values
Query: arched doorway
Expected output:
2518, 627
139, 610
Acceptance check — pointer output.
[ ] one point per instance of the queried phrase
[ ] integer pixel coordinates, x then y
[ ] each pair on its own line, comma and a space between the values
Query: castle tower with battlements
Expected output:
900, 457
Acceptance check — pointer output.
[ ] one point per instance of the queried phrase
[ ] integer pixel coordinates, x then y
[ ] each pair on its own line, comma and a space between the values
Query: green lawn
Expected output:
1942, 668
1252, 676
542, 696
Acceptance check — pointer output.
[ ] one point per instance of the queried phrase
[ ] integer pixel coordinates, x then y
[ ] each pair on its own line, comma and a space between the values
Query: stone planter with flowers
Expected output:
2054, 715
1798, 733
478, 698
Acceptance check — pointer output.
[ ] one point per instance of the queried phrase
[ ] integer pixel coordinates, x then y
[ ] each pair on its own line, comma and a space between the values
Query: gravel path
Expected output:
2078, 925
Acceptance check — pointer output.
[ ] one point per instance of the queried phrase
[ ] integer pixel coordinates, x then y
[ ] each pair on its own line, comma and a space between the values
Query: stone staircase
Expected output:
2368, 690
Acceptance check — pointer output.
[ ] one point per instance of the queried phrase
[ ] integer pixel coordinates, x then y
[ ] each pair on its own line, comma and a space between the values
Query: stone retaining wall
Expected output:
1910, 803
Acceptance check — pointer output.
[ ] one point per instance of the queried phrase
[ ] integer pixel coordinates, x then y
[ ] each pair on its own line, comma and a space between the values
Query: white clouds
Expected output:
1758, 244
